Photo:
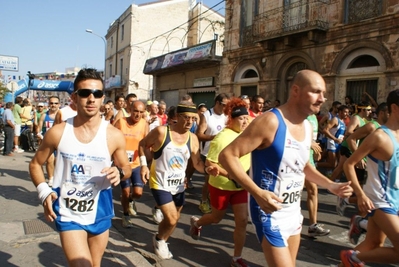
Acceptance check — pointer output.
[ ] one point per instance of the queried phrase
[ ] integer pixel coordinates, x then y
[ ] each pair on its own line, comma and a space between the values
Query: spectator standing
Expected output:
9, 125
17, 112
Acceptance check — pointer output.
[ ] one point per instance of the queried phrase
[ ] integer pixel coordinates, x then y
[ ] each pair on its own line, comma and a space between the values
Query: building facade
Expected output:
146, 31
353, 44
192, 70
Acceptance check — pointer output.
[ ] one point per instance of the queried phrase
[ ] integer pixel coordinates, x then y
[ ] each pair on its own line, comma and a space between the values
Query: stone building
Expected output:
147, 31
353, 44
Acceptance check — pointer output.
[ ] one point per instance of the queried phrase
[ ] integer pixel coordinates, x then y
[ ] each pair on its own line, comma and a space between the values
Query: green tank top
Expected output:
315, 125
362, 122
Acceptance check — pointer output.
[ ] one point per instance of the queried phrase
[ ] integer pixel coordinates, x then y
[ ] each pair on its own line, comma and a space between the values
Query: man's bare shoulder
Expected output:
267, 120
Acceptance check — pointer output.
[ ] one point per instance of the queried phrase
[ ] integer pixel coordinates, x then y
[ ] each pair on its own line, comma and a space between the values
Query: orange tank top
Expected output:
133, 135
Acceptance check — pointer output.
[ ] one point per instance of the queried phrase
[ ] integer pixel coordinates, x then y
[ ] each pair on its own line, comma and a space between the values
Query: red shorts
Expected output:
220, 199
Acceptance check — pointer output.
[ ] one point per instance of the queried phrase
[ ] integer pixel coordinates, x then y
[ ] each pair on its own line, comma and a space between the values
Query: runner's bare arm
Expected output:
202, 126
117, 145
379, 146
196, 158
246, 142
360, 133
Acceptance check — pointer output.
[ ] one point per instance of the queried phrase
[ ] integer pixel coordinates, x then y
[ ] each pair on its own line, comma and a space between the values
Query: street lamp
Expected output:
105, 48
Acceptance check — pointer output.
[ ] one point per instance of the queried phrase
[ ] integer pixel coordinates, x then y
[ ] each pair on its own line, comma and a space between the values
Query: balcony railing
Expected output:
289, 19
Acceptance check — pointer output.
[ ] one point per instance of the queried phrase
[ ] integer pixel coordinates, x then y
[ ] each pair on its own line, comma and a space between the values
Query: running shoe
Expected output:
317, 230
18, 150
205, 207
132, 208
126, 222
50, 182
238, 263
195, 232
157, 215
355, 231
341, 206
161, 248
347, 261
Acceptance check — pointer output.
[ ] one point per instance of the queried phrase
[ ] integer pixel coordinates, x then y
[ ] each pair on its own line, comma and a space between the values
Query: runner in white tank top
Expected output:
81, 200
280, 146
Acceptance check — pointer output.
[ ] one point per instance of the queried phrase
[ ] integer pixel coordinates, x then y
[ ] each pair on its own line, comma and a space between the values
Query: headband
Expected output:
363, 107
184, 108
238, 112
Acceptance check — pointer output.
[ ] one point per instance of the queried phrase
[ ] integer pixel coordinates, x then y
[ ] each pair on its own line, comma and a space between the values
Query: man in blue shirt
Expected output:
9, 125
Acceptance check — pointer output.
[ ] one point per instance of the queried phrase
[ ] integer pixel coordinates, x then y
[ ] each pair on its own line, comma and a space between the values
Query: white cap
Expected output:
40, 104
155, 102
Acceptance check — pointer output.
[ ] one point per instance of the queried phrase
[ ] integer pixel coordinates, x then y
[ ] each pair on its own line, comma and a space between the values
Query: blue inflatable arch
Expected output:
41, 85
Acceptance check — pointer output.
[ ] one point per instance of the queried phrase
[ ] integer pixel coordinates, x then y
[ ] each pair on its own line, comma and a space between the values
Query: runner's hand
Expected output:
342, 190
268, 201
112, 175
145, 174
49, 214
364, 204
212, 170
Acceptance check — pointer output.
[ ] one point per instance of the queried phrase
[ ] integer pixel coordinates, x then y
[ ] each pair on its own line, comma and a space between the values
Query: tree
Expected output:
3, 91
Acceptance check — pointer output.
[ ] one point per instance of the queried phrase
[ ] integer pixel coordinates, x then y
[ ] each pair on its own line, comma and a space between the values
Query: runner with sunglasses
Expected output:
91, 157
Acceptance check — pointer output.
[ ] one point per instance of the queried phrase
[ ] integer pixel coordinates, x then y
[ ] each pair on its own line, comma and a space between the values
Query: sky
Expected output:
48, 35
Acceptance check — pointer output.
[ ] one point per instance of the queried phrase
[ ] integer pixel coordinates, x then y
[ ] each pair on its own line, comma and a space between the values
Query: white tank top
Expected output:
215, 124
84, 194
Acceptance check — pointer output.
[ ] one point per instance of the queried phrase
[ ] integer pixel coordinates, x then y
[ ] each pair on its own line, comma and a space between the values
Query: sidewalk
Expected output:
25, 239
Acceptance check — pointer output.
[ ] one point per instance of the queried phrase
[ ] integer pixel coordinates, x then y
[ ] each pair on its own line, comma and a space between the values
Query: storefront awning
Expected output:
201, 90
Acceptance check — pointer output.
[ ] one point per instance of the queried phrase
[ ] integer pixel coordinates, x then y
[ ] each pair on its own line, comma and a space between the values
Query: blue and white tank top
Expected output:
382, 186
279, 168
168, 168
84, 194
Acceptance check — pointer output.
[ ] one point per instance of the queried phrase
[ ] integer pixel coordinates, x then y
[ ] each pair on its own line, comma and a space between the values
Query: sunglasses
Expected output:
244, 97
53, 103
97, 93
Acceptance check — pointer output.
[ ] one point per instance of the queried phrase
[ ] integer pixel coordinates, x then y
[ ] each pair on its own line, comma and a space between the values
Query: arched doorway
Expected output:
246, 80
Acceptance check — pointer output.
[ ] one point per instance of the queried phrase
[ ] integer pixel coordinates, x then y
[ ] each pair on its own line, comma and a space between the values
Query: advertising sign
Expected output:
9, 63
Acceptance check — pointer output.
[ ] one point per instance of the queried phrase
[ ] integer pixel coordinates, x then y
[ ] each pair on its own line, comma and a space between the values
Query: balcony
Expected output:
287, 20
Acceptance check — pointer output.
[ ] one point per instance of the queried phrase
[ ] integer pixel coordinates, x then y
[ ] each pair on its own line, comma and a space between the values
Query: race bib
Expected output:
77, 200
290, 191
130, 155
174, 181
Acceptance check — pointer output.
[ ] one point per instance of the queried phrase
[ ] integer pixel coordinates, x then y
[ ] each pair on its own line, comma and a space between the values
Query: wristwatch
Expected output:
121, 172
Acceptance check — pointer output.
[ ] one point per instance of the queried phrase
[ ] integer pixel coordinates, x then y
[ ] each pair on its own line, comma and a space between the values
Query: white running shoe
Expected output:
161, 248
157, 215
50, 182
132, 208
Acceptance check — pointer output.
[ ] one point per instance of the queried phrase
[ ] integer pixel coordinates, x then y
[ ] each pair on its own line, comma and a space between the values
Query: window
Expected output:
112, 41
358, 10
356, 88
250, 74
122, 32
363, 61
110, 70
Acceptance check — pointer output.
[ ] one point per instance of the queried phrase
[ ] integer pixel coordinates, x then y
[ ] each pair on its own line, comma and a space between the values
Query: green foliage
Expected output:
3, 91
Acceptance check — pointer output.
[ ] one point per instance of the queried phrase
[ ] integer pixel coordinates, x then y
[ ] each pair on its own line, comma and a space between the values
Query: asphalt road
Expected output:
215, 246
